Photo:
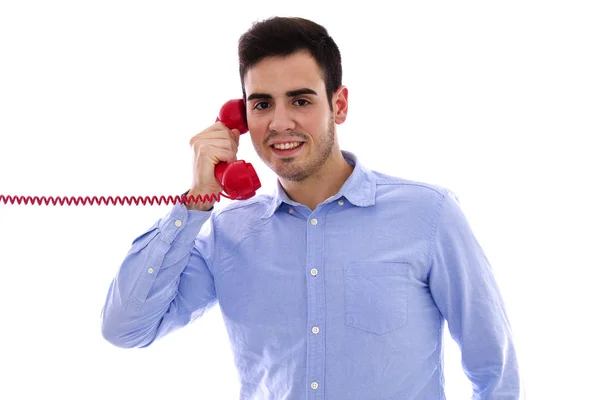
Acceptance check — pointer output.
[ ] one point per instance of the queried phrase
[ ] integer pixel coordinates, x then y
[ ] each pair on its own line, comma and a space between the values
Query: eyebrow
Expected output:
290, 93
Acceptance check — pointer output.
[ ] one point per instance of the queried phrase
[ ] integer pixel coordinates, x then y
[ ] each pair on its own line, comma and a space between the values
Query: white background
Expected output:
498, 101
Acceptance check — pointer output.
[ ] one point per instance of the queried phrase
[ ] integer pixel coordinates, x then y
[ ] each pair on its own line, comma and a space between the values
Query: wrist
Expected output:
193, 201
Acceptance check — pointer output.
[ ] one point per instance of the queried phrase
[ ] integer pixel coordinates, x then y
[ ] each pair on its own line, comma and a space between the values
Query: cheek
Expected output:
316, 127
258, 125
257, 135
315, 122
254, 138
255, 132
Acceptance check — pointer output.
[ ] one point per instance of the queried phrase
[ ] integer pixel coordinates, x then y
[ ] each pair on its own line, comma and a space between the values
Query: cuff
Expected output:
181, 225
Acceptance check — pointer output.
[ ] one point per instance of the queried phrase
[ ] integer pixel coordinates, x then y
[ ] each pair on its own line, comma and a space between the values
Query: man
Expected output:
337, 285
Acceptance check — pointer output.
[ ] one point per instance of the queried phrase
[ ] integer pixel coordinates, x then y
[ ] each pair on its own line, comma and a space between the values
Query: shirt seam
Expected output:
211, 263
423, 185
261, 199
434, 232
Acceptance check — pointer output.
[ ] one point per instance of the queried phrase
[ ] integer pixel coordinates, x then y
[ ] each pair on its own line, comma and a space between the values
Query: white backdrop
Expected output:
497, 101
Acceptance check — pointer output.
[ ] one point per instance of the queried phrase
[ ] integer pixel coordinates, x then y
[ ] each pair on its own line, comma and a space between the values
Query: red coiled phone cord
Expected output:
108, 200
237, 178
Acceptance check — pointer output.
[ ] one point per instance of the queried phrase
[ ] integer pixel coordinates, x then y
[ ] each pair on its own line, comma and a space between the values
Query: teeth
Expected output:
286, 146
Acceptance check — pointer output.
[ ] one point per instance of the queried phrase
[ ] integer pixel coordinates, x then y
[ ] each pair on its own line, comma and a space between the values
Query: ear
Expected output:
340, 104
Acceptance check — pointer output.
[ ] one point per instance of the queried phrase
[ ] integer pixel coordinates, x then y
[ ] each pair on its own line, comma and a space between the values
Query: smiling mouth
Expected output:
286, 148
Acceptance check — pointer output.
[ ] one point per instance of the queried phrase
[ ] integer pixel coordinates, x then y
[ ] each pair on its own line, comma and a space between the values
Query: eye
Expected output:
261, 105
302, 102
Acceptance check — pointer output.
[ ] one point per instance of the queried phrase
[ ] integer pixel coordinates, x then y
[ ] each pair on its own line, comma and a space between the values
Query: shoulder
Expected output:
244, 210
424, 194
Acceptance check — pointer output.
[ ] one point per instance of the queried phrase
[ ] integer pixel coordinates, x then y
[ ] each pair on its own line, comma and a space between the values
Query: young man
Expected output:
337, 285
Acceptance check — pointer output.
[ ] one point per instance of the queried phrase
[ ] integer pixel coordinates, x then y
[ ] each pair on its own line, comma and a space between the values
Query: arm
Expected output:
463, 286
164, 282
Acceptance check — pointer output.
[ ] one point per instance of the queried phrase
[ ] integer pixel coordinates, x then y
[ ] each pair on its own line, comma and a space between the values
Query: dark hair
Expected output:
283, 36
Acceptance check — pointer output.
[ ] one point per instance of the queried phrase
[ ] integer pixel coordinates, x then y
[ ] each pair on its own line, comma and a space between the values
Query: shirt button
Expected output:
150, 270
178, 223
314, 272
315, 329
341, 202
291, 211
314, 385
313, 221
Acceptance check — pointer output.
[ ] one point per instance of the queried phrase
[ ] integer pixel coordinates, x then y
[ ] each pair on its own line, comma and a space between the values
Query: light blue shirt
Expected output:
346, 302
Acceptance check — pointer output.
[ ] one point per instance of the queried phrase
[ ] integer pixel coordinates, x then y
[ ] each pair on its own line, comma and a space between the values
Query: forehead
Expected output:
279, 74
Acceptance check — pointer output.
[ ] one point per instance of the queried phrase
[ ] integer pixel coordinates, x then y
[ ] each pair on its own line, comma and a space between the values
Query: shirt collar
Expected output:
359, 188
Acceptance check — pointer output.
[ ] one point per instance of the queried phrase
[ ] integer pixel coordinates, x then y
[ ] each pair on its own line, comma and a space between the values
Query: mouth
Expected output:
287, 149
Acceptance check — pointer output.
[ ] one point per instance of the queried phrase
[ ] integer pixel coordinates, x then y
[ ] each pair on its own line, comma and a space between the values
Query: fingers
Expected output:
236, 136
217, 130
218, 155
215, 147
215, 144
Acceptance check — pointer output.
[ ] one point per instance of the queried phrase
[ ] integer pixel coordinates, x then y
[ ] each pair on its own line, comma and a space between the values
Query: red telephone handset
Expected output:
238, 178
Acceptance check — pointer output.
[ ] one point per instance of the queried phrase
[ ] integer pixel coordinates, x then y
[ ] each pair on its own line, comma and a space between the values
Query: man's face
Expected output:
291, 125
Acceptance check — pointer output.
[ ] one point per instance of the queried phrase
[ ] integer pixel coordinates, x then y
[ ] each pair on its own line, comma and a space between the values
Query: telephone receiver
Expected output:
238, 178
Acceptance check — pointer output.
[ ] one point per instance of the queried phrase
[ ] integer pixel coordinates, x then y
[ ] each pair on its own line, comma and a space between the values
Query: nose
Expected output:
281, 120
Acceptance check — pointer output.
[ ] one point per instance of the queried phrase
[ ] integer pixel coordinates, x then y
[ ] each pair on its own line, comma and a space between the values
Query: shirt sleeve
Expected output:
164, 282
463, 286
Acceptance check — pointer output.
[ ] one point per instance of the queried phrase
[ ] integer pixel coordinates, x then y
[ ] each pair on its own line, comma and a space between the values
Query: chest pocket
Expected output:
375, 296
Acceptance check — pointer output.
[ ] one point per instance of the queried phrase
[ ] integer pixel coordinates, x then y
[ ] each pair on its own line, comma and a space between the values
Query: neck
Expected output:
317, 188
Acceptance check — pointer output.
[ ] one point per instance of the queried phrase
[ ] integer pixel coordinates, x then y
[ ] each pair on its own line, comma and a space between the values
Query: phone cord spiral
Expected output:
110, 200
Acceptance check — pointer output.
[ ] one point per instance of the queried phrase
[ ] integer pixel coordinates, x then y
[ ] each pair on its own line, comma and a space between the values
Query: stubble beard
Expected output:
291, 171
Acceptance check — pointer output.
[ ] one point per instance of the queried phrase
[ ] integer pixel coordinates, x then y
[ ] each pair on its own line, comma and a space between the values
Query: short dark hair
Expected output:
283, 36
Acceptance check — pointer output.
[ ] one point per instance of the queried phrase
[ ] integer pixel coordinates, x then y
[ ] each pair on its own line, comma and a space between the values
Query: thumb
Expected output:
236, 136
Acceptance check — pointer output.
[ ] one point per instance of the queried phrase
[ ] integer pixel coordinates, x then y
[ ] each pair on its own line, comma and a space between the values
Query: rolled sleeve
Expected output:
147, 281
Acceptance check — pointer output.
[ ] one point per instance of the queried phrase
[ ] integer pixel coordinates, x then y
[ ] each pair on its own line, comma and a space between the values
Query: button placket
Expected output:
316, 308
